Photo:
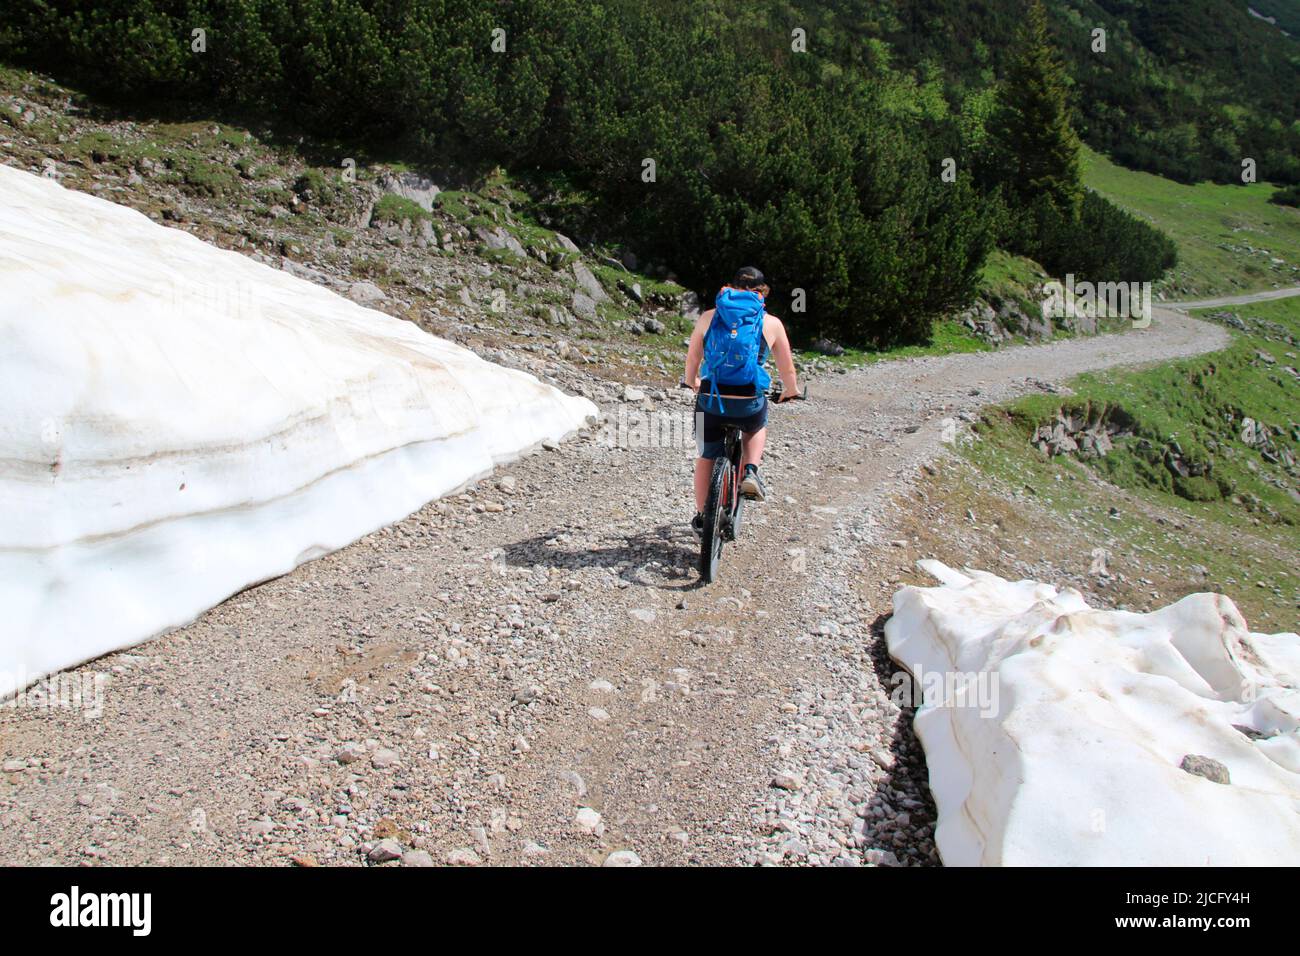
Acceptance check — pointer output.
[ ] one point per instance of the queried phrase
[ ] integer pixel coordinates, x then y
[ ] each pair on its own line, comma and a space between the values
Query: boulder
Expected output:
827, 347
588, 282
366, 293
499, 238
418, 189
584, 306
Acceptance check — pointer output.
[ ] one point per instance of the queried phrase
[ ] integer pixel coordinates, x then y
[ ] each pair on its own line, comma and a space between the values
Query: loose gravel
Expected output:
528, 672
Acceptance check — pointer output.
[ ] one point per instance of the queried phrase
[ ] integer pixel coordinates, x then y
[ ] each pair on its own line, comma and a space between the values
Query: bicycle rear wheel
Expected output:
716, 511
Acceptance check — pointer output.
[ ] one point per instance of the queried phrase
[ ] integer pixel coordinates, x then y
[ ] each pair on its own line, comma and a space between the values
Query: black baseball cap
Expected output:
748, 277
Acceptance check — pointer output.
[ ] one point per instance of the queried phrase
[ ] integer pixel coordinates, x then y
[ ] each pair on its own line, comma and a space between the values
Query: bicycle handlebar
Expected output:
774, 393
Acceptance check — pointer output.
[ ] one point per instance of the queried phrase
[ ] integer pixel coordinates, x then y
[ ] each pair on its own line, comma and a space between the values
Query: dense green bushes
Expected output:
1286, 197
823, 167
755, 160
1102, 244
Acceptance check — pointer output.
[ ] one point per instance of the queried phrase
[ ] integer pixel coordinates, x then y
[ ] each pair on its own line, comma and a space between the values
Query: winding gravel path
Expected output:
1223, 301
529, 673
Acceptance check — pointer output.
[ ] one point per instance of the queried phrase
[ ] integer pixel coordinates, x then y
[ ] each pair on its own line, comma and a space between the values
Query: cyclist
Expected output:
729, 346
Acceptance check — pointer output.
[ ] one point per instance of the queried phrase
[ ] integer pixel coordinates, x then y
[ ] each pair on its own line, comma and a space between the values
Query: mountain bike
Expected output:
726, 505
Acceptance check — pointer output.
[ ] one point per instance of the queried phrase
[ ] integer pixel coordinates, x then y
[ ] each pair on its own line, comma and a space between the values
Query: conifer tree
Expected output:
1039, 150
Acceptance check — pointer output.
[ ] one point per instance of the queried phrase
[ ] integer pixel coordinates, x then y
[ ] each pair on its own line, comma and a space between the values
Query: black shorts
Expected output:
747, 414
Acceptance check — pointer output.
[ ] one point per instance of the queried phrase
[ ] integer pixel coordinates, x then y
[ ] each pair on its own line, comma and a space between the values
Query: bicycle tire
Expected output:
715, 512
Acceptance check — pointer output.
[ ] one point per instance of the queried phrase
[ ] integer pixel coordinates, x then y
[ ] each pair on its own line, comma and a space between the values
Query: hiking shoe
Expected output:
752, 486
697, 524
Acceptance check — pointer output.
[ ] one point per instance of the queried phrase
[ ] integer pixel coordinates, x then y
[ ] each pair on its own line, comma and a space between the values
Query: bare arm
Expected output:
779, 343
695, 350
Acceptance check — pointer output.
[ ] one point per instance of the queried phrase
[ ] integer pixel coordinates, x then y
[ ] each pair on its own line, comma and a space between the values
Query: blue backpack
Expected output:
734, 342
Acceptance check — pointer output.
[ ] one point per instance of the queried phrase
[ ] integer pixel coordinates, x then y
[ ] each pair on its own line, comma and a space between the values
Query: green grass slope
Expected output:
1245, 501
1231, 239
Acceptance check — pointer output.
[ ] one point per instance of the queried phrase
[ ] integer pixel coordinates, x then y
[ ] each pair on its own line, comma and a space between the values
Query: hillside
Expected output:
868, 154
484, 258
1196, 484
477, 258
1230, 238
1184, 88
475, 266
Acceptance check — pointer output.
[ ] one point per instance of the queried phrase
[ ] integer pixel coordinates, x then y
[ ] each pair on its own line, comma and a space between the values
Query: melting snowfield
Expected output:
1111, 738
180, 422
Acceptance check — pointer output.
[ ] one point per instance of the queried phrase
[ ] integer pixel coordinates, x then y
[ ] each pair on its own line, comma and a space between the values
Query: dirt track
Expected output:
502, 659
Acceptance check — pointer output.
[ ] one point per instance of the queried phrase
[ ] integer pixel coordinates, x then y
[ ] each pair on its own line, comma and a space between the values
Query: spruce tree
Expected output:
1038, 146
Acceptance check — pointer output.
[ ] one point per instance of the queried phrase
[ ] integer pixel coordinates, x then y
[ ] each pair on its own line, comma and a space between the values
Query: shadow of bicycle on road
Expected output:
666, 557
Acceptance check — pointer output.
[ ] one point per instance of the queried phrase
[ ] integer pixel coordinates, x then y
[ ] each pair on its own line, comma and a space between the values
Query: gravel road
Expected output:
1223, 301
529, 673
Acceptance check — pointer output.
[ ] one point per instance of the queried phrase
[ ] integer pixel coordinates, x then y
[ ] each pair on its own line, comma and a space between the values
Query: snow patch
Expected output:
1080, 761
181, 422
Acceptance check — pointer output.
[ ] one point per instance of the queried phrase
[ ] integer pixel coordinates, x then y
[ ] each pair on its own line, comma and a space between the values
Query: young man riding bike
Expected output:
724, 365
